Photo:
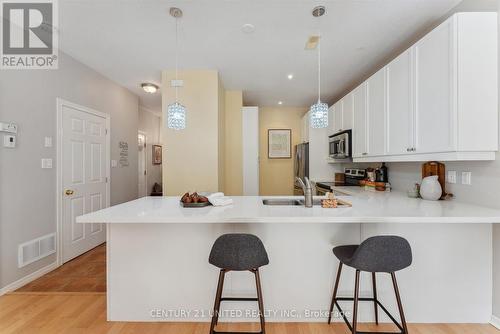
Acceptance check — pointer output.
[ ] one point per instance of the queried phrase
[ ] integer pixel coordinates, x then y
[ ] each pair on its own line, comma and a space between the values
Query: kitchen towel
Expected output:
218, 199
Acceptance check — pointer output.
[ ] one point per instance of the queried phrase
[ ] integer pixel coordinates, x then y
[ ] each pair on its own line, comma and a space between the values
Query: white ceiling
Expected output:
131, 41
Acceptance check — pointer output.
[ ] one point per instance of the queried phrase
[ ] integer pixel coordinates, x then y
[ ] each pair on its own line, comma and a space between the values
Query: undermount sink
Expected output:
288, 202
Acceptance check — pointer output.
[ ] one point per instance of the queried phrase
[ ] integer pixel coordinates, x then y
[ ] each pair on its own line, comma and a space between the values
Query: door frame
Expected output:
59, 163
145, 134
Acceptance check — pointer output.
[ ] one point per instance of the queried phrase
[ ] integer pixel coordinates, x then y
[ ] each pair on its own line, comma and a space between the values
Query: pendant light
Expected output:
176, 111
318, 112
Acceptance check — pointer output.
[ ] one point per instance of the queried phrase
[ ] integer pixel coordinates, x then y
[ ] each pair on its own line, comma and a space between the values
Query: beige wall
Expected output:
191, 156
276, 175
233, 135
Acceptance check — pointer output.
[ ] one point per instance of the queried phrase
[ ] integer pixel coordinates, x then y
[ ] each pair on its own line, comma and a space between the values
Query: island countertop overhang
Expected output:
394, 207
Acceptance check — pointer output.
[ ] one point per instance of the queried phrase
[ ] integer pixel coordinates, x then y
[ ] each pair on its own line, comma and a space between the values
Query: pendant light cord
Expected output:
319, 69
176, 56
319, 61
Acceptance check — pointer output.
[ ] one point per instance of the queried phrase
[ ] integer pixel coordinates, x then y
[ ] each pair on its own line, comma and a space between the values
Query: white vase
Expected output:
430, 189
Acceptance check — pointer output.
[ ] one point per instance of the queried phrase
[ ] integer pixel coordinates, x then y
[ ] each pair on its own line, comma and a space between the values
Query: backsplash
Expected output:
485, 181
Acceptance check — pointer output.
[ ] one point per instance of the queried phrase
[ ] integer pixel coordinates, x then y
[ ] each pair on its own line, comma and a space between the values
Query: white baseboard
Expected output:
495, 321
27, 279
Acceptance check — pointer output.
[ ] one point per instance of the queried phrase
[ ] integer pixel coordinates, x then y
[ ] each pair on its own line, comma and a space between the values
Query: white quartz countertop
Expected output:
368, 207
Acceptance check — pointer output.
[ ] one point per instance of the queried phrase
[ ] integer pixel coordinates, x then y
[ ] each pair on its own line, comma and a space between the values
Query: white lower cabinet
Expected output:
437, 100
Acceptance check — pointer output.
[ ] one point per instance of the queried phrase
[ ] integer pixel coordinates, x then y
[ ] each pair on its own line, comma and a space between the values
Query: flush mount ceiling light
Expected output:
319, 112
176, 112
150, 88
248, 28
280, 102
290, 76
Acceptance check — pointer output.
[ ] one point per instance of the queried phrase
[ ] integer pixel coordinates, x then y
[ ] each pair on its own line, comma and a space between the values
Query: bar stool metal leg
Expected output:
374, 283
355, 308
260, 301
335, 289
218, 296
400, 305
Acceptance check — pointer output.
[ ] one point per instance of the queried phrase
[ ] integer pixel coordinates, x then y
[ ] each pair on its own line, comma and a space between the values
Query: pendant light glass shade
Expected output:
318, 115
176, 116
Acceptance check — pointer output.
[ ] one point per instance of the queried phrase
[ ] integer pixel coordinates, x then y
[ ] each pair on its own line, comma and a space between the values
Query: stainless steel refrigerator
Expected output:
301, 165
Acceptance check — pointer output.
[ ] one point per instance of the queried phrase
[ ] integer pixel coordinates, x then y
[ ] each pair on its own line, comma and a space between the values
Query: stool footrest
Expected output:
238, 299
368, 299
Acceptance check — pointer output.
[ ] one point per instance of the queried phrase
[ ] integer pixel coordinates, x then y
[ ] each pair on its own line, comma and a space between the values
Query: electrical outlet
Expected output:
451, 176
467, 178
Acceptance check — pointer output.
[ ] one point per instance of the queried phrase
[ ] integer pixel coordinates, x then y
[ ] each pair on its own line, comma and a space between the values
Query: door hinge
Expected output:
106, 179
145, 172
106, 131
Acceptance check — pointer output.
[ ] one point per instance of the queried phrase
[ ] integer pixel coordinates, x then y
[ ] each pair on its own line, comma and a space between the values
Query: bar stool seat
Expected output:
380, 254
238, 252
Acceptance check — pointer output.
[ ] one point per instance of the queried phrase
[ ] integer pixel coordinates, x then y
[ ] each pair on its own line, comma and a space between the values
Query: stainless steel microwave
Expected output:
340, 145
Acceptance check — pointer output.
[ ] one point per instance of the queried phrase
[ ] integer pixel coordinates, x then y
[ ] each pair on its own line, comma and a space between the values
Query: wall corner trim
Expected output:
495, 321
29, 278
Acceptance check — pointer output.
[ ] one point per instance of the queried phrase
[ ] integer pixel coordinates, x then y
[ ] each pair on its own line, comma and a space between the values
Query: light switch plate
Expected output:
9, 141
177, 83
467, 178
114, 163
451, 176
47, 163
48, 142
8, 127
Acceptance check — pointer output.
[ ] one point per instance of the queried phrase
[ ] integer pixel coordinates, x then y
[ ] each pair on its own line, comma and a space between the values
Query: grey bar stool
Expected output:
238, 252
381, 254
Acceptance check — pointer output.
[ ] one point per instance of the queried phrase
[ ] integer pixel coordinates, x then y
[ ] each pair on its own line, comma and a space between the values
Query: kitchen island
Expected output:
158, 269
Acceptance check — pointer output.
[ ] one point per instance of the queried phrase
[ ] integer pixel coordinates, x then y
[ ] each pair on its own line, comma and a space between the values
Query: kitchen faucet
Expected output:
306, 187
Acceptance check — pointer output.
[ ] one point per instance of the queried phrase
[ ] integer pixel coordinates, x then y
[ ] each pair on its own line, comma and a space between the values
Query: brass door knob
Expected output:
69, 192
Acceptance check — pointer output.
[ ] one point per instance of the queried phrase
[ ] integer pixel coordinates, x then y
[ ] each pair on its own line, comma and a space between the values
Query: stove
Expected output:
352, 178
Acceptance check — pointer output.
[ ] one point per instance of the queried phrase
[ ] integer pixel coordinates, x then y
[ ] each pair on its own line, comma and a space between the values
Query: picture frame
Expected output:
279, 143
157, 154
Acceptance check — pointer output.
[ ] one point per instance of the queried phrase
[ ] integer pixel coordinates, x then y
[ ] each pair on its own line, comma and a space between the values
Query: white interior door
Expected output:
142, 169
85, 151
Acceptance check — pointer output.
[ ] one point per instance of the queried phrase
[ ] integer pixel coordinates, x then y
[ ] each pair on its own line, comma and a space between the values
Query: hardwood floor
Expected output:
71, 299
86, 273
59, 312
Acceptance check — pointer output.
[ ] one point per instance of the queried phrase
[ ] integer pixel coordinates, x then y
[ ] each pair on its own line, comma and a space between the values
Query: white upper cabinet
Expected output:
338, 109
359, 145
341, 114
400, 114
375, 91
435, 102
347, 112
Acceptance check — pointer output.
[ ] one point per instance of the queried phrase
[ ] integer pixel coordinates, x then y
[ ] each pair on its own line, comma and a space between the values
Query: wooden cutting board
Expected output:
435, 168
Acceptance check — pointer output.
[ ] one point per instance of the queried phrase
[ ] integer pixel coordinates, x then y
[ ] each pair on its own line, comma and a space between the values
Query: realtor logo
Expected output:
29, 37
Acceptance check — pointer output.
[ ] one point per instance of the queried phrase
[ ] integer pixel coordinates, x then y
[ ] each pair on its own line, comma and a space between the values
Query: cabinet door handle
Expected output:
365, 153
